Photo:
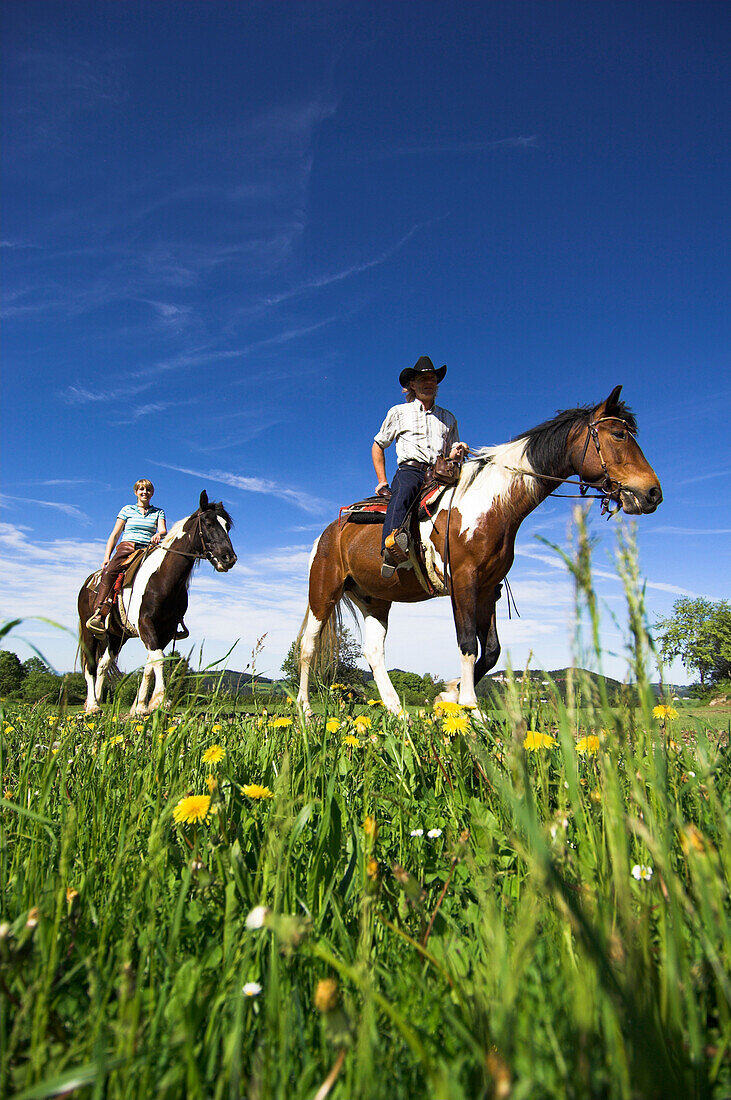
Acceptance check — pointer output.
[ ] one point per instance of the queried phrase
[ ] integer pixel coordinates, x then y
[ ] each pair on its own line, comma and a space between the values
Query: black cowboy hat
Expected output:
423, 363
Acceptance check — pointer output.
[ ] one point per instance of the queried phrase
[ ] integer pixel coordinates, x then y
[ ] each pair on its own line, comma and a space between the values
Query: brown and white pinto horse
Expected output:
153, 605
495, 493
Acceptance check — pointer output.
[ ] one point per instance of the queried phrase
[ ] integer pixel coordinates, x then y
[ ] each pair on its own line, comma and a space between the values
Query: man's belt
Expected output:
414, 464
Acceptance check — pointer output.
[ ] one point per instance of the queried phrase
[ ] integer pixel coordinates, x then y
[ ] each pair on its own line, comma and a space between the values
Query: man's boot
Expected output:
97, 623
395, 552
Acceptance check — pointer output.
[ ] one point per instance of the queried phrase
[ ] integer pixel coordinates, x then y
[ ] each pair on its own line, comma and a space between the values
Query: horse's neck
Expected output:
178, 555
507, 481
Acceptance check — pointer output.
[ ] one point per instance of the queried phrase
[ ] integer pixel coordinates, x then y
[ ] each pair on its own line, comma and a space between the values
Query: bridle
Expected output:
204, 554
610, 489
608, 492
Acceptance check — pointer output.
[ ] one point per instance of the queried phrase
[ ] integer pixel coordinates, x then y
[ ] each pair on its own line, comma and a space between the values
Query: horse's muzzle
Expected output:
638, 502
222, 565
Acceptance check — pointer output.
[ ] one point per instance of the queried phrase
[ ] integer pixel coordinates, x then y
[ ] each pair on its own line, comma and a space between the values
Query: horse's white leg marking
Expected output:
101, 672
450, 693
467, 697
138, 707
158, 694
90, 706
374, 647
307, 648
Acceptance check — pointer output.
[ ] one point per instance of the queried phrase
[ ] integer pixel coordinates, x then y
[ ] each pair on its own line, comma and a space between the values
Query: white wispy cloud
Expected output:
457, 147
321, 281
303, 500
7, 500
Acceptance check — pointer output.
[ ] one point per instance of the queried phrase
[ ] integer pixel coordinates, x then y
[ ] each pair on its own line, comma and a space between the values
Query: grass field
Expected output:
529, 905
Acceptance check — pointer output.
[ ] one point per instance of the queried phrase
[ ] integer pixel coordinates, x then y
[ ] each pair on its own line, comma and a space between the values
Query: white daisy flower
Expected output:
251, 989
417, 832
434, 833
257, 917
641, 872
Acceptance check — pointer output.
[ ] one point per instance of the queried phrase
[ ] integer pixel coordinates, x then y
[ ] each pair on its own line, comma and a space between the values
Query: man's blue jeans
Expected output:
407, 481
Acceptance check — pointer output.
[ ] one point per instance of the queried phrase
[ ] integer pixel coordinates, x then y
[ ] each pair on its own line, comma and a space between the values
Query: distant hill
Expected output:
240, 683
559, 677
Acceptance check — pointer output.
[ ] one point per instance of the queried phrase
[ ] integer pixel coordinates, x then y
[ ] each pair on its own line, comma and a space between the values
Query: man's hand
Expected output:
383, 489
459, 450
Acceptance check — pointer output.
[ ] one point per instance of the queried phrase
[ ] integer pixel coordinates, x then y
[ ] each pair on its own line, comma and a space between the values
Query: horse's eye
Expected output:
619, 435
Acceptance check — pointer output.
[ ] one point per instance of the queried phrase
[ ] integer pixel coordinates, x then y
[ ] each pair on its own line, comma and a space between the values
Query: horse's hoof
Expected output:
93, 710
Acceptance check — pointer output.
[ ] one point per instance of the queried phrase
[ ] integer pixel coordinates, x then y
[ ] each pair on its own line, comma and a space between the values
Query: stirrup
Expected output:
387, 569
96, 625
397, 545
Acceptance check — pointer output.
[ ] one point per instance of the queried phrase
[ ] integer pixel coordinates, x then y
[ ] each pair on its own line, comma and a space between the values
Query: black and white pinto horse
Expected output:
153, 605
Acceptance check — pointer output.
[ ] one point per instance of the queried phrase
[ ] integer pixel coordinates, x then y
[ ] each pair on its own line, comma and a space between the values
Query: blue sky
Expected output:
227, 227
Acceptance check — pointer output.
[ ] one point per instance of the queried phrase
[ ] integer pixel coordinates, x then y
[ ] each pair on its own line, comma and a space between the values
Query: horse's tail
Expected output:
329, 641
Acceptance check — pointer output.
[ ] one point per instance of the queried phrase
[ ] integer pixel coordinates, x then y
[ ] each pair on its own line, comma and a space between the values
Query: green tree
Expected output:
344, 670
699, 633
12, 673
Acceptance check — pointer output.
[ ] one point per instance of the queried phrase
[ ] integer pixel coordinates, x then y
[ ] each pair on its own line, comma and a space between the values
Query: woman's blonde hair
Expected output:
143, 483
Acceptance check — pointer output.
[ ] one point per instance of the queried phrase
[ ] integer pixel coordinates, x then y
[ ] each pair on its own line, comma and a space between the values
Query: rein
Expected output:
608, 491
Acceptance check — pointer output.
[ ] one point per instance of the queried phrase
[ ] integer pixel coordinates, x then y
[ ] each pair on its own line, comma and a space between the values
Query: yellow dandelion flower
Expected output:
8, 793
664, 712
456, 723
589, 745
374, 703
9, 729
192, 809
71, 895
216, 728
255, 790
370, 828
535, 740
118, 739
214, 755
211, 783
362, 722
52, 720
349, 739
446, 706
281, 723
139, 728
372, 868
332, 725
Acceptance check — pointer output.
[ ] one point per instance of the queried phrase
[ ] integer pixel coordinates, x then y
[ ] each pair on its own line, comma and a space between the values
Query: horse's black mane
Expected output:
547, 442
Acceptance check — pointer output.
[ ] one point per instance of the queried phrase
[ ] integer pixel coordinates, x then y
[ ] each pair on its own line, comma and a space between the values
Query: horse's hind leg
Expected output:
89, 665
375, 626
153, 668
308, 645
325, 590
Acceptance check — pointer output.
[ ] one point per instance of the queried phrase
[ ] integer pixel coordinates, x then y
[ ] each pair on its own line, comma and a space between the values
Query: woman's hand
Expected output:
155, 539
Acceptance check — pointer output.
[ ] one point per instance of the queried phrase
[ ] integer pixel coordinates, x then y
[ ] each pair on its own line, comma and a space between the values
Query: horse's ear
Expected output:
204, 499
613, 400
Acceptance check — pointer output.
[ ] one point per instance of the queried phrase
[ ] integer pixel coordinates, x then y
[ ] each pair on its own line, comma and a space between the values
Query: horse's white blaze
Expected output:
223, 523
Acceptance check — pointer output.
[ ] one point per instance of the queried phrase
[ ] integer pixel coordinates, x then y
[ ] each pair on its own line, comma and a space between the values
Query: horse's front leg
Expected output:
465, 621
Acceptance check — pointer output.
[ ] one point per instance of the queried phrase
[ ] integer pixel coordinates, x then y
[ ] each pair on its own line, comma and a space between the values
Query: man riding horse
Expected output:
422, 431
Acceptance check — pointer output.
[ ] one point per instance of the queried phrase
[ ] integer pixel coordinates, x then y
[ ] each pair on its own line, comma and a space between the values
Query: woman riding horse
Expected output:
422, 430
143, 524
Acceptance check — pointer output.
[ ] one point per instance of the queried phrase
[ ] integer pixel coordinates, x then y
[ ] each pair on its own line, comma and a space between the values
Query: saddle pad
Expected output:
373, 509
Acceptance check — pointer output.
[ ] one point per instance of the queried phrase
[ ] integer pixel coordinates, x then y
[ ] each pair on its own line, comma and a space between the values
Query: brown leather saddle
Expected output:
373, 509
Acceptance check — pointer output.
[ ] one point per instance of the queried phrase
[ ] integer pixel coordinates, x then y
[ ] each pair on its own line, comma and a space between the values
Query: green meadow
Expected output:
529, 904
